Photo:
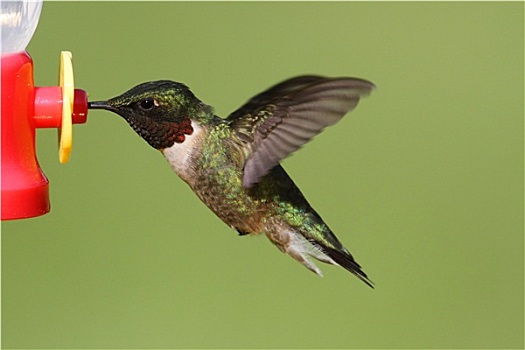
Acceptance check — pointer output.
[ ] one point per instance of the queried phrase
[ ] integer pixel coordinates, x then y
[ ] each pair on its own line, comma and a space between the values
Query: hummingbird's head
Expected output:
159, 111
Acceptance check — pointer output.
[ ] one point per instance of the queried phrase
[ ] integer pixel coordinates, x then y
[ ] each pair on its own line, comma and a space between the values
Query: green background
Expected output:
423, 182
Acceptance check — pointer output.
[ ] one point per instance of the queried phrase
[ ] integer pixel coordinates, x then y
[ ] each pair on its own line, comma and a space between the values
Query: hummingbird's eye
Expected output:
147, 103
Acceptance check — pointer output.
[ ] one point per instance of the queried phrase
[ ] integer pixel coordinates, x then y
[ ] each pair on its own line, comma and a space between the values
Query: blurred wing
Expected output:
278, 90
281, 119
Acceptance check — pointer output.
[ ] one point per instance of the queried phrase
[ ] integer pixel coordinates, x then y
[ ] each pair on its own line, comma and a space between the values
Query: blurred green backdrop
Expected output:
423, 182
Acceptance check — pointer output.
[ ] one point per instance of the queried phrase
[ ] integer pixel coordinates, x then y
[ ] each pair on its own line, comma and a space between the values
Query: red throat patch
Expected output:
178, 131
163, 134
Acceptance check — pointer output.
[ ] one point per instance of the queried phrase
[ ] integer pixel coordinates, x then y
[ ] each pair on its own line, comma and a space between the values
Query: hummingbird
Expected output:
233, 164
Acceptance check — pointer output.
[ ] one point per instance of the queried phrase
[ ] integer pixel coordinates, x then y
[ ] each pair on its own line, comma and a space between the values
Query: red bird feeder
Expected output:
25, 188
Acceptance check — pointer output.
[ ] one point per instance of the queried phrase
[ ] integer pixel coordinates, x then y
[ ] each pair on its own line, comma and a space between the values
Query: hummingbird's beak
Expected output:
100, 105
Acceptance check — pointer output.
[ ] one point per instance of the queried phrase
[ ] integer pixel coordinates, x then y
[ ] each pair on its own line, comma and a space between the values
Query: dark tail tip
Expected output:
348, 262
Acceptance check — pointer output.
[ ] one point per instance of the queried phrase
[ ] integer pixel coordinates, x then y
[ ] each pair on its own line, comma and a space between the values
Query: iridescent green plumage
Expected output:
232, 164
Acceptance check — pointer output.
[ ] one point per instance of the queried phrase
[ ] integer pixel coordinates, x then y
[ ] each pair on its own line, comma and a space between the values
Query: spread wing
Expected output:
276, 91
280, 120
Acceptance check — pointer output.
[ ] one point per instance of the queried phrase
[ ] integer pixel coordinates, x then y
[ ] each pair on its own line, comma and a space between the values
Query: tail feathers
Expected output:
346, 260
302, 250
